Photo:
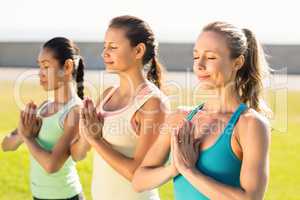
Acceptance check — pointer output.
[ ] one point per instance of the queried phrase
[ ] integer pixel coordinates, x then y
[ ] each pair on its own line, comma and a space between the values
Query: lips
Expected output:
203, 77
108, 63
43, 82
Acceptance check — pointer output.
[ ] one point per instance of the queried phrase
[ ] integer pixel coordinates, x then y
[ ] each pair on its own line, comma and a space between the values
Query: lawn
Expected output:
14, 166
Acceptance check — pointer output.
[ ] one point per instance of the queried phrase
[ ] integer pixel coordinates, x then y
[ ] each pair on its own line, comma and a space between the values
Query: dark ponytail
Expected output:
249, 78
155, 72
138, 31
63, 49
79, 78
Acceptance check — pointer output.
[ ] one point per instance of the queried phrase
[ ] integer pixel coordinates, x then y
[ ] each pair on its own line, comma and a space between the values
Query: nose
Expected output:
104, 53
200, 64
41, 73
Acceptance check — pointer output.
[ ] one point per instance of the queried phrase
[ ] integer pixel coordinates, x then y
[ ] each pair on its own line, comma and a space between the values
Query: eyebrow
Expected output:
108, 42
206, 51
42, 61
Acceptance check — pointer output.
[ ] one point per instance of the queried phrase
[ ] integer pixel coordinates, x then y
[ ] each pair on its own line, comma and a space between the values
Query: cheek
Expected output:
53, 78
223, 74
124, 59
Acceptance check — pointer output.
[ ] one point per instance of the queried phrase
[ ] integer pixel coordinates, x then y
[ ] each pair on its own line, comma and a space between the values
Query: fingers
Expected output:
29, 113
82, 115
174, 145
89, 110
26, 114
86, 114
21, 115
192, 134
184, 133
39, 123
32, 118
85, 110
100, 117
188, 133
92, 110
178, 136
196, 146
185, 147
81, 127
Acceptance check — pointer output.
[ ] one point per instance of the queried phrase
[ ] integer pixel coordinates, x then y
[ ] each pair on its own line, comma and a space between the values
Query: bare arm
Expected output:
153, 172
12, 141
148, 132
53, 160
254, 138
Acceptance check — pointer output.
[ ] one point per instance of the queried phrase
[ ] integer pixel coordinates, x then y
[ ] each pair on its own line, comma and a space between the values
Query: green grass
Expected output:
14, 166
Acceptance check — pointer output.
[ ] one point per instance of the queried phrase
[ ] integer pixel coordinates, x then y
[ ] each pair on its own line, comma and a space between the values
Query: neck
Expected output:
130, 82
64, 93
225, 100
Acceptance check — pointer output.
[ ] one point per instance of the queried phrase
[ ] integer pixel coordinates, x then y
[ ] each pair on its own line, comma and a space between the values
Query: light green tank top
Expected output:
64, 183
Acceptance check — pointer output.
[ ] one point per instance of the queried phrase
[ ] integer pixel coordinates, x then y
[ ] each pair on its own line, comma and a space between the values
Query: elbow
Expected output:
51, 168
78, 157
6, 148
130, 170
79, 154
252, 196
137, 187
136, 183
129, 175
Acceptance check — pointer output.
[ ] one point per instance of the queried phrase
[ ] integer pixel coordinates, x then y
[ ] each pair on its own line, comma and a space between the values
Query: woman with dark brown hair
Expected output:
122, 126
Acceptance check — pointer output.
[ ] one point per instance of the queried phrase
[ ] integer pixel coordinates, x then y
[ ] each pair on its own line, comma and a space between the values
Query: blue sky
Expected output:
172, 20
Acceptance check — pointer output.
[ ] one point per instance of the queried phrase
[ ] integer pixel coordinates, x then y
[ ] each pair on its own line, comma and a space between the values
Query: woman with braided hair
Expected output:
49, 130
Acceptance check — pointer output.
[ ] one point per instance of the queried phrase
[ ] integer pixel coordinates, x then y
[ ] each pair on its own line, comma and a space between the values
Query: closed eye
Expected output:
110, 47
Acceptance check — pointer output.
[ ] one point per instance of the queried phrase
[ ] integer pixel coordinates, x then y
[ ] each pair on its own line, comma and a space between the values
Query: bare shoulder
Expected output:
154, 104
253, 124
73, 116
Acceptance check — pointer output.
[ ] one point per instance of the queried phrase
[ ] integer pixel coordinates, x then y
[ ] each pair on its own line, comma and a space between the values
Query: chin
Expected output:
112, 71
46, 87
206, 85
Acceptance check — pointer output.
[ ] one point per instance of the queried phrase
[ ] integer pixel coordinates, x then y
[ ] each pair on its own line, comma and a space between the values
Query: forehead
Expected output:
211, 41
45, 53
45, 56
115, 35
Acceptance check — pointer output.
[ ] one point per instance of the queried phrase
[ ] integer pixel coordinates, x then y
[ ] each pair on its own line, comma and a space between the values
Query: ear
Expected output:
140, 50
68, 66
239, 62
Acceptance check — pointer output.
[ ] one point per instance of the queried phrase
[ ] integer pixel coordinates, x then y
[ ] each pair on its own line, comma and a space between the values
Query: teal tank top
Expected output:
64, 183
218, 161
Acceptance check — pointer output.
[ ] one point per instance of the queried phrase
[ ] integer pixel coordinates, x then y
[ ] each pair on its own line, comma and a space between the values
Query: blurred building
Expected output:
175, 56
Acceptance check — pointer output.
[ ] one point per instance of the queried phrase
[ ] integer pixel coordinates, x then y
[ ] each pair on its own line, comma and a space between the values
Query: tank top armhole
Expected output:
106, 98
41, 107
67, 109
242, 108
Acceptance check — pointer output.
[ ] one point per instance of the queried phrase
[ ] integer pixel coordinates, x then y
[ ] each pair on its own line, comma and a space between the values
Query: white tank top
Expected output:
107, 183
